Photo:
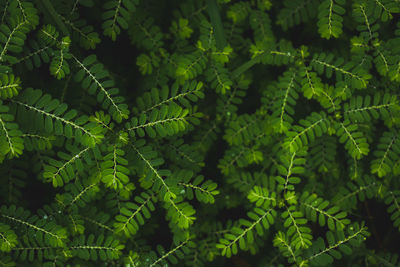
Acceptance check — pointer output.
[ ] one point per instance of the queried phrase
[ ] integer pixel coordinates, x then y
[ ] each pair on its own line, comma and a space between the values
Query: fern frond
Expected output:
61, 172
34, 249
14, 175
355, 142
26, 10
9, 86
173, 256
243, 234
244, 129
386, 154
144, 33
151, 161
92, 248
189, 66
282, 241
116, 15
296, 12
392, 199
186, 156
238, 12
312, 206
286, 97
281, 53
298, 234
98, 219
203, 190
49, 35
313, 126
88, 39
51, 115
114, 171
133, 214
356, 77
322, 153
261, 25
365, 14
8, 238
180, 212
234, 157
330, 18
179, 94
219, 78
51, 233
37, 142
228, 104
339, 242
12, 39
360, 109
11, 143
360, 189
291, 163
386, 259
93, 77
80, 193
311, 83
262, 197
165, 121
59, 66
37, 53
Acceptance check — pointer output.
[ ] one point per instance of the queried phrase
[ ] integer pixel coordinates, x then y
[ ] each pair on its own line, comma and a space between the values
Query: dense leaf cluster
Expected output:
149, 133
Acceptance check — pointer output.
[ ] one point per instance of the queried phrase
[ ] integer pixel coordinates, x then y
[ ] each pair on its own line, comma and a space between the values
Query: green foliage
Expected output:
199, 132
339, 243
133, 214
91, 75
116, 16
9, 86
330, 20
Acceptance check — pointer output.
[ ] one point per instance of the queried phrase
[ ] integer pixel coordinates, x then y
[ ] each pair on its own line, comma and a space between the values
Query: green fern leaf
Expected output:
11, 143
133, 214
339, 242
313, 126
180, 212
52, 234
165, 121
386, 154
285, 99
62, 172
174, 256
392, 198
179, 94
8, 238
51, 115
355, 143
114, 171
312, 206
242, 236
203, 190
12, 39
291, 163
298, 234
92, 75
361, 109
295, 12
116, 15
92, 248
9, 86
330, 19
358, 190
